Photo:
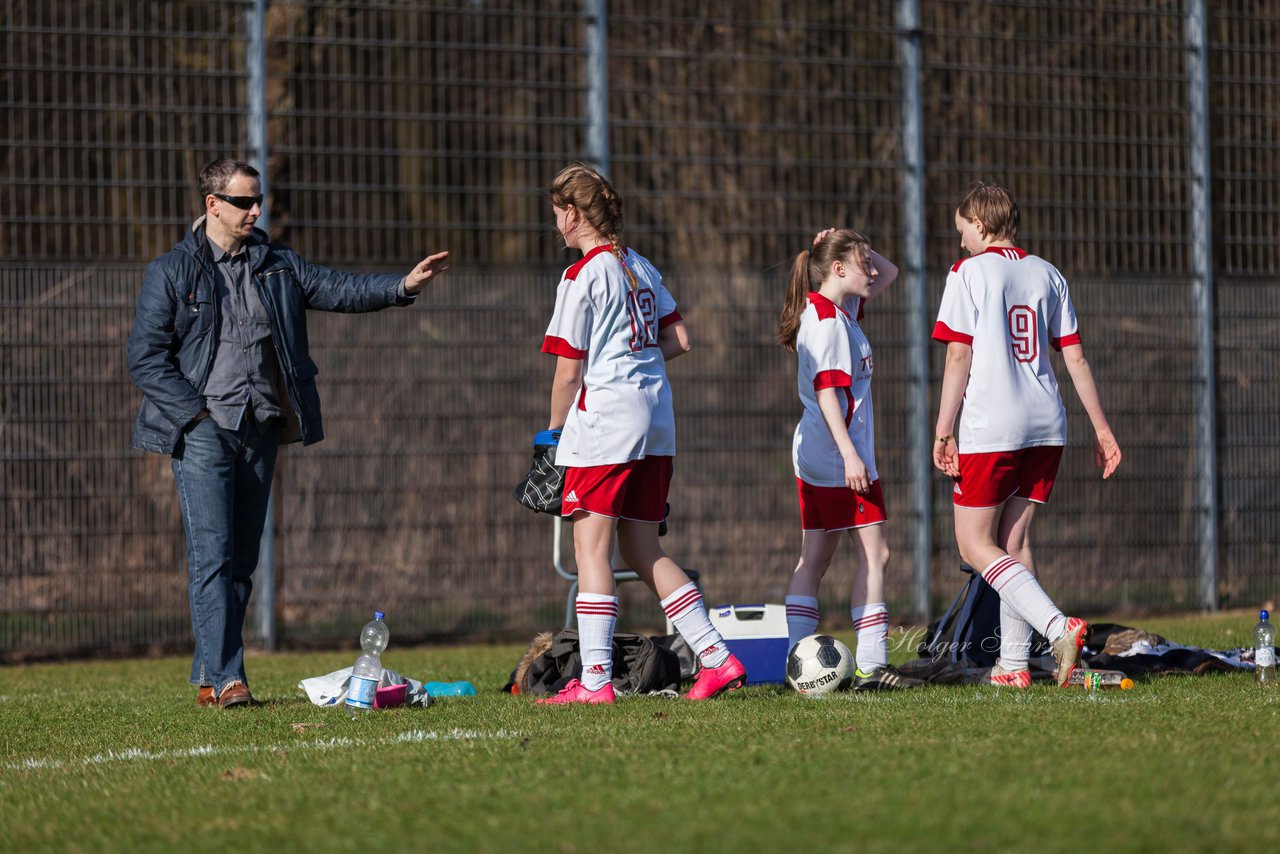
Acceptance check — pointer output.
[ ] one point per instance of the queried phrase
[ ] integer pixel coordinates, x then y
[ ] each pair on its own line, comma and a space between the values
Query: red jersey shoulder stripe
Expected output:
673, 317
825, 307
572, 273
1013, 253
942, 332
560, 347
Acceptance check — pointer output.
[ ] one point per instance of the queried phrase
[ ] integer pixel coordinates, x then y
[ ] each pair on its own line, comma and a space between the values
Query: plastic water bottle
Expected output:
1264, 651
1096, 680
367, 670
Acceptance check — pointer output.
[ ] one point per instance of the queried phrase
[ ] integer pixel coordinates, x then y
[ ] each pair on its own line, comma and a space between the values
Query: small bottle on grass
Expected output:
1264, 651
1096, 680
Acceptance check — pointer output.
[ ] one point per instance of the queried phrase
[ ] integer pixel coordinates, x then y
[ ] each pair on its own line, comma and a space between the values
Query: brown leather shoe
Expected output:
235, 694
206, 697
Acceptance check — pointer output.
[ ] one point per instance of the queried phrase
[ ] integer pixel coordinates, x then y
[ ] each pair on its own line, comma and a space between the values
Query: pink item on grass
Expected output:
391, 695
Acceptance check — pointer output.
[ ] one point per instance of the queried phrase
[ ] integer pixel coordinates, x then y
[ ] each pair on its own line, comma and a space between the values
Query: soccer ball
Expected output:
819, 664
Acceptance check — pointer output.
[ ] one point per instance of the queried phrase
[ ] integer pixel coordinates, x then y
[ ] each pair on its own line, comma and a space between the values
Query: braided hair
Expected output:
583, 187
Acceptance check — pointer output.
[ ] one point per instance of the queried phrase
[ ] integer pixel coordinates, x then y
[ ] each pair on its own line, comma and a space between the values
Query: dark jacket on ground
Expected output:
175, 331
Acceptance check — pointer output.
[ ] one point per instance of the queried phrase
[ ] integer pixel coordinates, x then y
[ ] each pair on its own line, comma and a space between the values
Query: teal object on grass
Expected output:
449, 689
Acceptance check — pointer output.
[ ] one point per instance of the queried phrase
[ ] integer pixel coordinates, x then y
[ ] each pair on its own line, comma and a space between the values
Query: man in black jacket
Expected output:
219, 350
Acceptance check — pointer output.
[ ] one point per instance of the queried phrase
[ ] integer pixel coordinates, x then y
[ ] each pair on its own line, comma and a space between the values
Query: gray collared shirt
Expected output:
245, 379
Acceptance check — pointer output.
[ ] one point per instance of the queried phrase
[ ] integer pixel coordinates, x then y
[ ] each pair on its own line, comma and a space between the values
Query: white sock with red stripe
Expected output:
684, 608
871, 622
597, 615
1015, 639
802, 618
1017, 586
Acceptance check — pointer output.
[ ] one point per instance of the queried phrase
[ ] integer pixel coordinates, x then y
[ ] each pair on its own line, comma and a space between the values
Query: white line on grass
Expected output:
135, 754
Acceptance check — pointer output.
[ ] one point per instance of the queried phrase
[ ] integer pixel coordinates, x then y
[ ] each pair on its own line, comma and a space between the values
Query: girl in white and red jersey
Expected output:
833, 450
614, 328
1001, 311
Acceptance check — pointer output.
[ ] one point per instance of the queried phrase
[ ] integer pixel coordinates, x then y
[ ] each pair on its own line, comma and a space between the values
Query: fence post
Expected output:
597, 43
264, 603
1202, 301
919, 436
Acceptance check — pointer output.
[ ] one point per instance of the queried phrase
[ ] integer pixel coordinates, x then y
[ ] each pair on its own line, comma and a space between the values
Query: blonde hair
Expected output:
808, 271
580, 186
993, 206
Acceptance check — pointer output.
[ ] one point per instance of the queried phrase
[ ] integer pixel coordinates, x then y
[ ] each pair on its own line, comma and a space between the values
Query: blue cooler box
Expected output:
757, 635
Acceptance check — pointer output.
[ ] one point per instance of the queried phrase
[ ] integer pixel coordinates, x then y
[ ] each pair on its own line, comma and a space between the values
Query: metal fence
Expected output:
396, 128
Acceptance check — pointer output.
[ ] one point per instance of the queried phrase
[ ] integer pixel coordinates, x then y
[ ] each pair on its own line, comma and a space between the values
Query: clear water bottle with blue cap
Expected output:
1264, 651
367, 671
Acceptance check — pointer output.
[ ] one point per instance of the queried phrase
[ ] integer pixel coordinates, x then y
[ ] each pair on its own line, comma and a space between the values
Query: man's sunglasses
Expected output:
244, 203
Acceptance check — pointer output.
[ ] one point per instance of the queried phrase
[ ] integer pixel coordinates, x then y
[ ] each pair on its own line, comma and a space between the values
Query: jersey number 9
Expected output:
1022, 329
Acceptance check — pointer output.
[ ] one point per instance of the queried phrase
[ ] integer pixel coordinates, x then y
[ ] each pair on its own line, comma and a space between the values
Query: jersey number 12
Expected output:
642, 308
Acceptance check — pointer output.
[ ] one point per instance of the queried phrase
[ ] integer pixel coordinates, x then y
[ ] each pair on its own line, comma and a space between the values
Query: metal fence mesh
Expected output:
398, 125
397, 128
1245, 78
111, 108
1081, 107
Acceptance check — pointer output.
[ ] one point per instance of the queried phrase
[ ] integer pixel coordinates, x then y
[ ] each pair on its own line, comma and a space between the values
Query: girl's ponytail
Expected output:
797, 298
807, 273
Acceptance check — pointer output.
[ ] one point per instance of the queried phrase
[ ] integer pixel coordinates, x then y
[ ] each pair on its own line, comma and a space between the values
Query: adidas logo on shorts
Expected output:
572, 496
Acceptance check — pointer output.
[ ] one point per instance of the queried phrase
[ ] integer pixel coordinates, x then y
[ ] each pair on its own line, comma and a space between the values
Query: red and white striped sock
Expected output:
1017, 586
1015, 639
597, 615
685, 610
802, 618
871, 622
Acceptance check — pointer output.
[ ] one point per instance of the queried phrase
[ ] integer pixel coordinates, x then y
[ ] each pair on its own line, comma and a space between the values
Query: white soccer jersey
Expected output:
623, 410
832, 352
1010, 307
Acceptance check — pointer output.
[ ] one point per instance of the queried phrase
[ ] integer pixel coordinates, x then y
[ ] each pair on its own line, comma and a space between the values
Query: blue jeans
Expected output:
224, 481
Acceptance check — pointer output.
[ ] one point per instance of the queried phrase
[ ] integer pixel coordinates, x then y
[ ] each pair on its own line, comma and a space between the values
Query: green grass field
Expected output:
115, 756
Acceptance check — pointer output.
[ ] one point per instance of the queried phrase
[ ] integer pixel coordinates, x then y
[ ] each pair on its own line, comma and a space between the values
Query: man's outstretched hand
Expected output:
425, 270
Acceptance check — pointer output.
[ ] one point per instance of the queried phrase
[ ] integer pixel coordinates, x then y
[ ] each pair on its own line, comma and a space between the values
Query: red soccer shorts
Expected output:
635, 490
838, 508
989, 480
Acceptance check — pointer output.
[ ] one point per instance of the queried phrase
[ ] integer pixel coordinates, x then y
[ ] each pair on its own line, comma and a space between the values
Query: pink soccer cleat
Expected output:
1066, 648
1011, 678
576, 692
712, 681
